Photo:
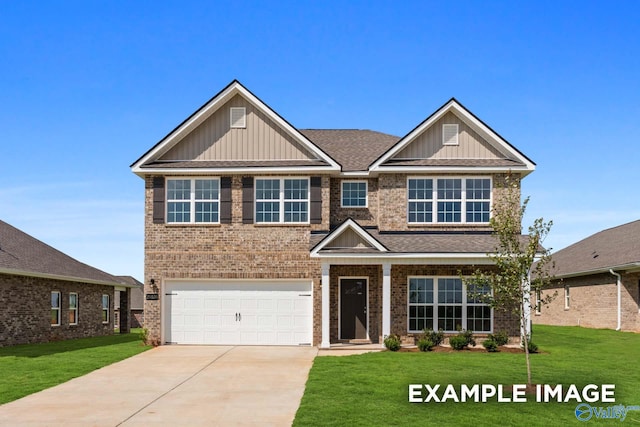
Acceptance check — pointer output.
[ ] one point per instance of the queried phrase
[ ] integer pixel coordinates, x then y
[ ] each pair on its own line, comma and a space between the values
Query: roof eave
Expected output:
142, 172
26, 273
632, 266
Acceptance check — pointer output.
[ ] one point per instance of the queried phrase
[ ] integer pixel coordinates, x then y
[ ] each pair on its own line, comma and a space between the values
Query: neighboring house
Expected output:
136, 312
46, 295
598, 282
260, 233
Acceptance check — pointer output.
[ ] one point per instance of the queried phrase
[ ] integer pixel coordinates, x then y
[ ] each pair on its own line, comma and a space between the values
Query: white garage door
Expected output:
239, 313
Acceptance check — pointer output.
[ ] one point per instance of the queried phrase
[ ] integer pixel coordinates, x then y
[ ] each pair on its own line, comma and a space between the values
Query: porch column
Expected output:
325, 306
386, 300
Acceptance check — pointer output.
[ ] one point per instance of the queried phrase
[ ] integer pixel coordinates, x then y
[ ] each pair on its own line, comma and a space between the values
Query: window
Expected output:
444, 303
567, 298
450, 134
105, 308
354, 194
73, 308
193, 201
454, 200
55, 308
282, 200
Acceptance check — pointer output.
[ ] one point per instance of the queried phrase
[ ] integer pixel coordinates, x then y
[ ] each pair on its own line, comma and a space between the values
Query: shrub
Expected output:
491, 345
468, 336
435, 337
500, 338
533, 347
425, 344
458, 342
392, 342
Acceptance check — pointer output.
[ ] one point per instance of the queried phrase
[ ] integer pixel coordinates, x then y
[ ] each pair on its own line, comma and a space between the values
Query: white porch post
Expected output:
386, 300
325, 306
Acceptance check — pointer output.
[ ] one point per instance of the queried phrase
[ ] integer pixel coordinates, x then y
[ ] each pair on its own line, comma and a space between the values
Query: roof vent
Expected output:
450, 134
238, 117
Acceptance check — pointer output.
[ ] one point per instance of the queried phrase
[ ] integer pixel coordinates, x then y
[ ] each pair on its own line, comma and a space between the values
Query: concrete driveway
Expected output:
176, 386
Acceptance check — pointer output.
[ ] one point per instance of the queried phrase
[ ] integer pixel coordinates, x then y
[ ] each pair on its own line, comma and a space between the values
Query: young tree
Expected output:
522, 265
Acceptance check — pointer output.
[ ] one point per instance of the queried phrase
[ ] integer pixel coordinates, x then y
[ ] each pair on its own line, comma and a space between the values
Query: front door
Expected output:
353, 309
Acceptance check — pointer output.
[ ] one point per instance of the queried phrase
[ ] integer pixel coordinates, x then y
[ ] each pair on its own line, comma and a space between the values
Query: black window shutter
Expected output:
158, 200
247, 200
315, 216
225, 200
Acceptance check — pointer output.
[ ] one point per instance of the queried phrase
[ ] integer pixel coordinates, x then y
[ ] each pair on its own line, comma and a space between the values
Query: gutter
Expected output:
619, 285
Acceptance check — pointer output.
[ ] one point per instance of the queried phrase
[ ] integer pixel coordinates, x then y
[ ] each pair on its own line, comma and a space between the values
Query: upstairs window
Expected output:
448, 200
354, 194
282, 200
193, 201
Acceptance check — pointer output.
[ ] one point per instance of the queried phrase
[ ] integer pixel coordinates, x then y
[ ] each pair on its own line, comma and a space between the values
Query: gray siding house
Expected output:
46, 295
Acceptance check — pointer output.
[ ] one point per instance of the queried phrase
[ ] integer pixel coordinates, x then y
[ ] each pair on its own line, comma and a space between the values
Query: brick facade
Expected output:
257, 251
26, 310
594, 303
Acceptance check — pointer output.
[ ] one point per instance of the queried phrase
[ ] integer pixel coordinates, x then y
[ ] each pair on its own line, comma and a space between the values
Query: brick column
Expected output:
125, 312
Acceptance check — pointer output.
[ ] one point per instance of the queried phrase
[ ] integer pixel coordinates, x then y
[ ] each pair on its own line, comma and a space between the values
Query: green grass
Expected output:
372, 389
26, 369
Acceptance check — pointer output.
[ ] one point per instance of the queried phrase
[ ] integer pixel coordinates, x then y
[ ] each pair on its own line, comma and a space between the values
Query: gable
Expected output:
349, 239
477, 147
260, 139
429, 144
207, 141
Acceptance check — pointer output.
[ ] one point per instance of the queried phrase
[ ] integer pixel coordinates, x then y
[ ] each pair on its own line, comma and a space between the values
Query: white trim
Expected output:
452, 169
77, 312
463, 198
455, 135
282, 200
326, 306
366, 279
464, 304
59, 308
205, 112
192, 199
386, 300
297, 170
464, 115
351, 224
366, 192
404, 258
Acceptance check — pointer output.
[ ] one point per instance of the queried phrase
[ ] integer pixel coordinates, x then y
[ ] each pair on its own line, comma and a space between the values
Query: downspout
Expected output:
619, 284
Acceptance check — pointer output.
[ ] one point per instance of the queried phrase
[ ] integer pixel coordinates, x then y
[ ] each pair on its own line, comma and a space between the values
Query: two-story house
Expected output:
257, 232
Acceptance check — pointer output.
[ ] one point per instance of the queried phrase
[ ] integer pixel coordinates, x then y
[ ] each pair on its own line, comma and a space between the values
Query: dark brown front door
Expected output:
353, 309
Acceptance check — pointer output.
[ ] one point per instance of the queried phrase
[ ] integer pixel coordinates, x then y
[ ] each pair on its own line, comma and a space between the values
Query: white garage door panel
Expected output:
254, 313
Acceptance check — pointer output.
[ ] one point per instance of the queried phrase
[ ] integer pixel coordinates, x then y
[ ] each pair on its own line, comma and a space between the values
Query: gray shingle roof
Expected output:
354, 149
615, 247
24, 254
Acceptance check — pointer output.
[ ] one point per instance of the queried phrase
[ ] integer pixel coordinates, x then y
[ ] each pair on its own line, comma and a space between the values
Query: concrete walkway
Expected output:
176, 386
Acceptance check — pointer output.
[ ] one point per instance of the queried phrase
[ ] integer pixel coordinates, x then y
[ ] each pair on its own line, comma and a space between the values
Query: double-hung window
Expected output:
55, 308
446, 303
193, 201
105, 308
73, 308
354, 194
282, 200
448, 200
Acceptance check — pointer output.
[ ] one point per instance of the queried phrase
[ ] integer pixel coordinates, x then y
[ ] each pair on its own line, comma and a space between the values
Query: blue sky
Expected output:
87, 87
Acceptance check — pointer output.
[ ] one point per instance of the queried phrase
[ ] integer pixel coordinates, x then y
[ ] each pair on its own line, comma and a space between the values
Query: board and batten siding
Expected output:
428, 145
261, 139
348, 239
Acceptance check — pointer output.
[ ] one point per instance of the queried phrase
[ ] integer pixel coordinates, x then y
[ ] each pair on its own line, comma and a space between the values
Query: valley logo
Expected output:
584, 412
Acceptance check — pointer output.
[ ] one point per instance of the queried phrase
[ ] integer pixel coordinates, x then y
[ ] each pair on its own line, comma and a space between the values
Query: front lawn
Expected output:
26, 369
372, 389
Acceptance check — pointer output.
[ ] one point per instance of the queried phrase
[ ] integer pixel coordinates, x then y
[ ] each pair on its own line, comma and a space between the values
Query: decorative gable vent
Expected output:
450, 134
238, 117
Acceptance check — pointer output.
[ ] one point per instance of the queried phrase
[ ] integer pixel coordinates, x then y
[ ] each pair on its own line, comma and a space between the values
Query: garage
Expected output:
239, 313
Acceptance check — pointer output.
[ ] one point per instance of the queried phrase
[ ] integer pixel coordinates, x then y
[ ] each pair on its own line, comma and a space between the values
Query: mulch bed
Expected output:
480, 349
